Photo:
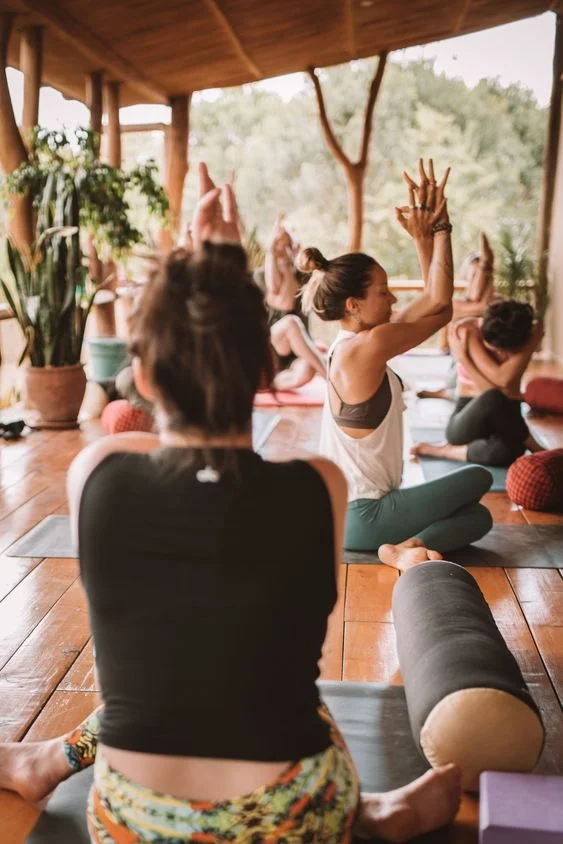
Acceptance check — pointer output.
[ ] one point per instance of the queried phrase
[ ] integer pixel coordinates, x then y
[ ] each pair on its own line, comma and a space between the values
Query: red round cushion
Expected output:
545, 394
121, 415
535, 481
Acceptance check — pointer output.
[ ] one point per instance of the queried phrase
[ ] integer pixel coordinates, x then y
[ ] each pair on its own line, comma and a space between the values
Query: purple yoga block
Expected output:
520, 809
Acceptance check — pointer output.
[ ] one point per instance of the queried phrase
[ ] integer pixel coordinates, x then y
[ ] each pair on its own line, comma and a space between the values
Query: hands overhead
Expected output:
210, 221
427, 202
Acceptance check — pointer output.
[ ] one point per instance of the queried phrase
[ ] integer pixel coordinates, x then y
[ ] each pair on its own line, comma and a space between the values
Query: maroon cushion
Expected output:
545, 394
535, 481
121, 415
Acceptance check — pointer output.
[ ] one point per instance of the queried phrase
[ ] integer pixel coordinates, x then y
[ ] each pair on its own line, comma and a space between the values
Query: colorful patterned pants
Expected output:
314, 800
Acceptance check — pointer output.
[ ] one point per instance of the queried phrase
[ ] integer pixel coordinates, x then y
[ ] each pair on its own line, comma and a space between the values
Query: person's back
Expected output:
184, 577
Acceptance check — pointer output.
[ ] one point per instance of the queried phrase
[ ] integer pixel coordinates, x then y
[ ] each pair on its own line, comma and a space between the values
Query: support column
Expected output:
31, 64
112, 91
176, 165
12, 148
550, 168
94, 101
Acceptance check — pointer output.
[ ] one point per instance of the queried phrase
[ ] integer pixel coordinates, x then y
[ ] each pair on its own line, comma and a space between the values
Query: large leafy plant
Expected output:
105, 194
516, 277
46, 286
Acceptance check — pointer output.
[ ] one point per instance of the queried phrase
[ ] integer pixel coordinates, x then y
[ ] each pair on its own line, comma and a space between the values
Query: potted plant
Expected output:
49, 287
46, 289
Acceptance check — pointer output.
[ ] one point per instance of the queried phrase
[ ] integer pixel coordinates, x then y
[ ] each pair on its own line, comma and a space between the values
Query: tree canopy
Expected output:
493, 136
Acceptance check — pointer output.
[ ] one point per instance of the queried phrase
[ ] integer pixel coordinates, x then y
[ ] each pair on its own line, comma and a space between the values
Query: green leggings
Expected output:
445, 514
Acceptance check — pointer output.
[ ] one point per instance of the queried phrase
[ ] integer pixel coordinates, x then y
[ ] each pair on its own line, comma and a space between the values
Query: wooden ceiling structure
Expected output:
160, 49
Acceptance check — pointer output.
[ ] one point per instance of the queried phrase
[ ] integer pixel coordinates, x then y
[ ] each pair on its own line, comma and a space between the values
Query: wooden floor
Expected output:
46, 675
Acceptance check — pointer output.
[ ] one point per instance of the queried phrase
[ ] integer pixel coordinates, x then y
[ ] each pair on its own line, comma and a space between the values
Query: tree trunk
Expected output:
355, 187
12, 148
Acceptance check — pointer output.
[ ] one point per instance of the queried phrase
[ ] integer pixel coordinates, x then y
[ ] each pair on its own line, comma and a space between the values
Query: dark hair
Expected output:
332, 282
508, 325
201, 332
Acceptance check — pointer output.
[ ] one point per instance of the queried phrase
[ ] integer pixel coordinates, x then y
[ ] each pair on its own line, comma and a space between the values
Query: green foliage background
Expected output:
493, 137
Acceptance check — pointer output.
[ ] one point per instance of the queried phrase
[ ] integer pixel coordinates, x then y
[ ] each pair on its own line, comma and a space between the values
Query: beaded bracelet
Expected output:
442, 227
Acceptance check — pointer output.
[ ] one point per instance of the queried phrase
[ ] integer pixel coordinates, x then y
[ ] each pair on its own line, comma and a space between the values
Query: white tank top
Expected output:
373, 465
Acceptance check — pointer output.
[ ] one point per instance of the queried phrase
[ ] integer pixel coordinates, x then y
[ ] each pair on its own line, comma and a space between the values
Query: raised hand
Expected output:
281, 244
427, 202
485, 252
210, 222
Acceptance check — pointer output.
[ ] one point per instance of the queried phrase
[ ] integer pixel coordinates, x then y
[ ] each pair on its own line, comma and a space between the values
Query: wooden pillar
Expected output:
12, 148
176, 165
94, 101
112, 91
31, 64
550, 167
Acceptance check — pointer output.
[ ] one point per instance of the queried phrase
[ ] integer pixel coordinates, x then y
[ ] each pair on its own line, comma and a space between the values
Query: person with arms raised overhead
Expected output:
362, 426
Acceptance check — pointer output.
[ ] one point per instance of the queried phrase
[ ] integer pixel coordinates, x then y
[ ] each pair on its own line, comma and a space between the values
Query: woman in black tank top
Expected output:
207, 634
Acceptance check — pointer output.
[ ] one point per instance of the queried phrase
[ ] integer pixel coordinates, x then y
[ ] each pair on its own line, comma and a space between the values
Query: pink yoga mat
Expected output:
311, 395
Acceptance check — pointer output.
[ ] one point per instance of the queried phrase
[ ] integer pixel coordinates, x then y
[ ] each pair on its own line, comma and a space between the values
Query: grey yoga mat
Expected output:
51, 537
505, 546
373, 719
435, 467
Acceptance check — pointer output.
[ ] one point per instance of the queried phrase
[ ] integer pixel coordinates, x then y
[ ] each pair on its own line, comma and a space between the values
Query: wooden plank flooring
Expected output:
47, 680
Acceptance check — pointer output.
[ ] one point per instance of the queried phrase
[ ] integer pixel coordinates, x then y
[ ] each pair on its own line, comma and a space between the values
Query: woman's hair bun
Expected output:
311, 259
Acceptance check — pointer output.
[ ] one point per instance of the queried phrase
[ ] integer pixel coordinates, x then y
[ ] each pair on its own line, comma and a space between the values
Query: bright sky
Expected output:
519, 52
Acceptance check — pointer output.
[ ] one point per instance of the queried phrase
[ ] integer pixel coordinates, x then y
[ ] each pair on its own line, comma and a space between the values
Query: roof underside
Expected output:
161, 48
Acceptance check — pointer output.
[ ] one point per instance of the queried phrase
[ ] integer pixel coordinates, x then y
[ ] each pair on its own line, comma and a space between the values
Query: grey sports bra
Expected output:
366, 414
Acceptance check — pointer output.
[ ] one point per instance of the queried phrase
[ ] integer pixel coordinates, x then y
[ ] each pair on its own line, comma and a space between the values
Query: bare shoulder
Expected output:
86, 461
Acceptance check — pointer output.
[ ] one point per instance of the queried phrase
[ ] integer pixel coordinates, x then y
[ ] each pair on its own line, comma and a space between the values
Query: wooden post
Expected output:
114, 127
549, 170
12, 148
176, 165
94, 101
354, 171
31, 64
104, 309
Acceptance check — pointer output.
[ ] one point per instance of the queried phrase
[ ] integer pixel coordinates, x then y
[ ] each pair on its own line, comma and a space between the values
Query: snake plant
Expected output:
45, 286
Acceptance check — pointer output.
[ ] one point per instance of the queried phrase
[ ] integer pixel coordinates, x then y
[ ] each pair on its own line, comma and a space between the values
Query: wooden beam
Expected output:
113, 126
461, 17
550, 163
350, 28
31, 65
176, 165
12, 148
73, 31
227, 28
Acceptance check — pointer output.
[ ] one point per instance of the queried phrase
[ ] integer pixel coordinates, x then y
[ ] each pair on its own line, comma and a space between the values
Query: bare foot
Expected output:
428, 803
444, 450
33, 769
405, 555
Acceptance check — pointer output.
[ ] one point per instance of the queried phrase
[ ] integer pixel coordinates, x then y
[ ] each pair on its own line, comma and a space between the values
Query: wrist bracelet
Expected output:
442, 227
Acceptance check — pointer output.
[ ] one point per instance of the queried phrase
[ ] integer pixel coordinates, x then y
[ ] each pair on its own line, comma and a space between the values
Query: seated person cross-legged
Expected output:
492, 354
207, 634
362, 424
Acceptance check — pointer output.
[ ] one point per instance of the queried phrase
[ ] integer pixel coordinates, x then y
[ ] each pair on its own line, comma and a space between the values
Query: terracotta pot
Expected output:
53, 395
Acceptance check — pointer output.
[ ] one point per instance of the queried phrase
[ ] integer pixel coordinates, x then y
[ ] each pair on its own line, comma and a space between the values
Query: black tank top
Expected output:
208, 603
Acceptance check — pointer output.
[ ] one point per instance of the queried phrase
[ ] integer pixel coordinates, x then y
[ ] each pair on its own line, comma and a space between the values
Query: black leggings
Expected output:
491, 425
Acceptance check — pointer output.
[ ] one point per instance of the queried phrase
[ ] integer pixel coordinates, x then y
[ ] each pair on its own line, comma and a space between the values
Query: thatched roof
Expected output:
160, 48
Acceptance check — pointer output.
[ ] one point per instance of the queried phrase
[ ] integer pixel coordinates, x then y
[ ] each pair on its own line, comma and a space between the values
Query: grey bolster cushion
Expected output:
468, 702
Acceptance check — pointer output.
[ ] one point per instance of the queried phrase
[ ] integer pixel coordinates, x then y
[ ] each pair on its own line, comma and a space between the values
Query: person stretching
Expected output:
207, 634
362, 427
492, 355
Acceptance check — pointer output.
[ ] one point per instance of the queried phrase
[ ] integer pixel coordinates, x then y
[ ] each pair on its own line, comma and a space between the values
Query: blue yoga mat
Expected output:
436, 467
